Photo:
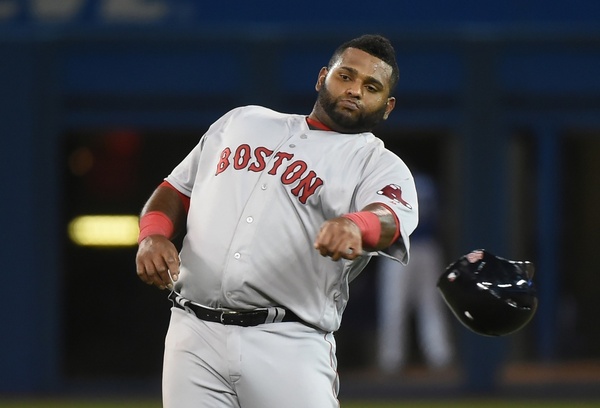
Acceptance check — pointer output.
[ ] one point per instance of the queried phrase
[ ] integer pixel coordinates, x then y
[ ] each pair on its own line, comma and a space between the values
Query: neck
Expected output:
316, 124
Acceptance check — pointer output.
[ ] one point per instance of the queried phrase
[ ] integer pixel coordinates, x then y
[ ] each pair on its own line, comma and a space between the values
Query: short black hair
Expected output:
376, 45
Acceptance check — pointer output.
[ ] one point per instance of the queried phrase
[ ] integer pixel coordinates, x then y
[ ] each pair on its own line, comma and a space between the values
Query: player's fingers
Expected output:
329, 249
352, 253
347, 251
343, 249
339, 238
173, 263
146, 274
324, 242
335, 256
142, 268
153, 272
158, 262
160, 274
323, 250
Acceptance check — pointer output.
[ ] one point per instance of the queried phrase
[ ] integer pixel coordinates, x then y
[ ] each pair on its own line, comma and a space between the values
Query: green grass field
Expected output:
471, 403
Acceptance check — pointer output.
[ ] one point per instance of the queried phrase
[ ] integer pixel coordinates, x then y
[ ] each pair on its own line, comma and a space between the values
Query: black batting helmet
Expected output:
490, 295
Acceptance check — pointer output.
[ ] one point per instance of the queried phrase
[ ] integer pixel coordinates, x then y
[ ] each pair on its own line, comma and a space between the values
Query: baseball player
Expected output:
281, 213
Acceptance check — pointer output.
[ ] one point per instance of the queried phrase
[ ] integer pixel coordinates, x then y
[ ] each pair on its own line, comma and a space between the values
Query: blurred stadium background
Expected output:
499, 101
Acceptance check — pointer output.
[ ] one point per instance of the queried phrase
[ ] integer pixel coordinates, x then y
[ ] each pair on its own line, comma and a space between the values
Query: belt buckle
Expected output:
225, 314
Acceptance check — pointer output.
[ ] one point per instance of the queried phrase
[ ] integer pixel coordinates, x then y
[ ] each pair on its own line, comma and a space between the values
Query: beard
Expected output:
363, 122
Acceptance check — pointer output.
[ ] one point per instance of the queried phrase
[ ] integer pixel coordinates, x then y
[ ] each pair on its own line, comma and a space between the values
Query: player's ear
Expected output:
391, 103
321, 78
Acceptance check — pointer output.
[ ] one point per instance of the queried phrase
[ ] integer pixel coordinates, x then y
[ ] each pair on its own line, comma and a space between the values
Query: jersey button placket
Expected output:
249, 220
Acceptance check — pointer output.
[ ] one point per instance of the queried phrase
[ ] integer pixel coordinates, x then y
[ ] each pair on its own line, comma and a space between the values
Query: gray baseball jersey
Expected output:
261, 184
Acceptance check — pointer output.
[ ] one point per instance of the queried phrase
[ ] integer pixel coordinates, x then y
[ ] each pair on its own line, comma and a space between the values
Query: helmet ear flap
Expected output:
490, 295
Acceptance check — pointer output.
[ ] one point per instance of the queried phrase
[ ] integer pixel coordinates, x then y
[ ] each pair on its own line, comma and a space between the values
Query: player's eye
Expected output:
345, 77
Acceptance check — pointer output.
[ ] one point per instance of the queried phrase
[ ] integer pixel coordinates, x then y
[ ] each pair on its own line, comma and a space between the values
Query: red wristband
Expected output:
155, 223
369, 225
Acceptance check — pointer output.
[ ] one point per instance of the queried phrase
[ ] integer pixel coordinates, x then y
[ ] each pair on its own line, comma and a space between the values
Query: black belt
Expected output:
233, 317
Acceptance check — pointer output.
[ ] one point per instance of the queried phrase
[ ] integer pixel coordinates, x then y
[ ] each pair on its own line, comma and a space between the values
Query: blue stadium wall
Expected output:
476, 68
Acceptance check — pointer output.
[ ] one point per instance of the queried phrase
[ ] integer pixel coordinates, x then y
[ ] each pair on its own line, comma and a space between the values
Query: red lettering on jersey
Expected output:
242, 157
281, 156
308, 185
223, 161
256, 161
260, 154
293, 172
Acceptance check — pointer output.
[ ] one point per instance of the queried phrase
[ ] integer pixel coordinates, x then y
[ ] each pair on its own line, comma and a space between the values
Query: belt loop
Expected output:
271, 314
280, 314
180, 301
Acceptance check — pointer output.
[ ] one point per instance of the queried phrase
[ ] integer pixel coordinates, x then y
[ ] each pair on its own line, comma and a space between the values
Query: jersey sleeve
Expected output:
184, 174
390, 182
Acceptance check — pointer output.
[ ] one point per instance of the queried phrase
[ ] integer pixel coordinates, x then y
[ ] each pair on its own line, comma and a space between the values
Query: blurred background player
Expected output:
410, 291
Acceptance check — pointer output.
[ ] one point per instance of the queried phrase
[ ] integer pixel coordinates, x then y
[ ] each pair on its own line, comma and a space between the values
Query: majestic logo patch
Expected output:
394, 193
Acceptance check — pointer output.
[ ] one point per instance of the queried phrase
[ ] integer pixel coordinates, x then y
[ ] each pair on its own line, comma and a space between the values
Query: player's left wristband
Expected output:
369, 225
155, 223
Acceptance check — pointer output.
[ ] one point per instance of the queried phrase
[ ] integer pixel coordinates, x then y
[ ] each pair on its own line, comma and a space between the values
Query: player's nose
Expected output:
354, 89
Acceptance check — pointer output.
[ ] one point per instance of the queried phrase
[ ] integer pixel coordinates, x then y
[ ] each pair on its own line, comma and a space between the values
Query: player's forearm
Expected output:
167, 201
379, 227
389, 227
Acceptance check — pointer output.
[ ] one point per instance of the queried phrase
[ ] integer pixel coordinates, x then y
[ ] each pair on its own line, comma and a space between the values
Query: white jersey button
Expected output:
237, 255
303, 136
249, 220
263, 187
292, 145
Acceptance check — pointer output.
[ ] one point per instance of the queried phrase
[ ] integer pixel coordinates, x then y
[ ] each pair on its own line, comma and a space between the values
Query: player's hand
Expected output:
339, 238
157, 262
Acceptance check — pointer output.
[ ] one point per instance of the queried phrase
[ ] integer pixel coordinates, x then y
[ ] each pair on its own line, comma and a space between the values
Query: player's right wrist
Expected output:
155, 223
